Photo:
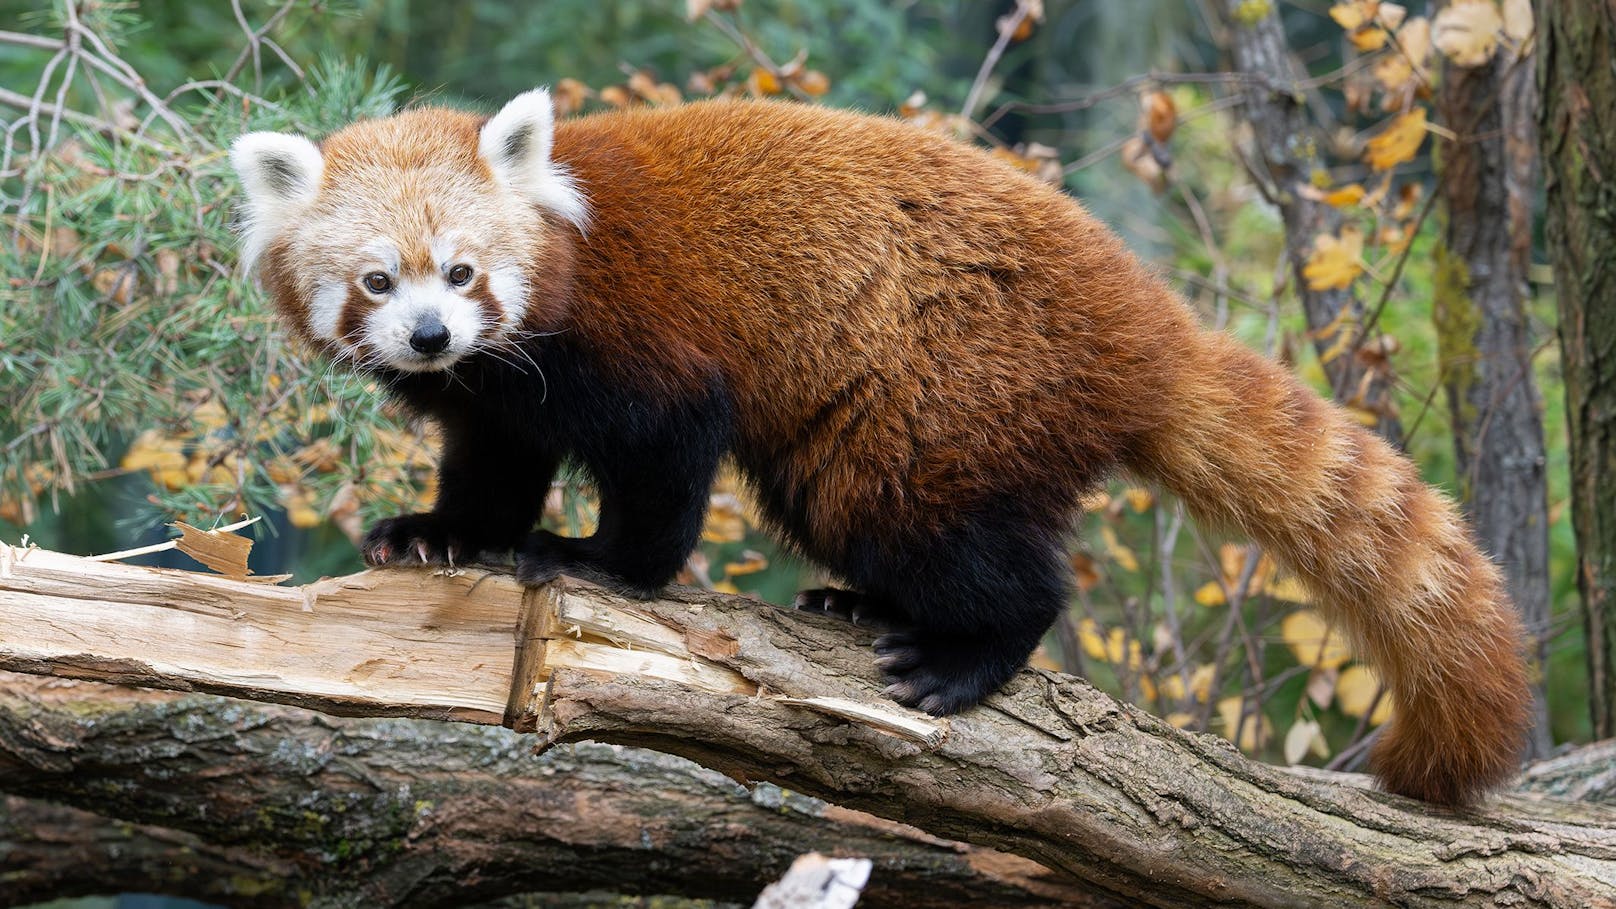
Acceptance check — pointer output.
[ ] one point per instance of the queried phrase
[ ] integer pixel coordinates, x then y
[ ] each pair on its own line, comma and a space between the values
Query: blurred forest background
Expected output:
145, 381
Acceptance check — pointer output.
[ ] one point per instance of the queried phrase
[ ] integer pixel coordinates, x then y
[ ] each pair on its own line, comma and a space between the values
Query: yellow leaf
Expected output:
726, 587
1139, 499
1114, 640
1201, 681
1172, 688
1351, 194
1355, 690
1210, 594
154, 451
1391, 15
1120, 554
1398, 142
1098, 500
1467, 31
1288, 589
1368, 39
1180, 720
753, 563
1363, 415
300, 511
762, 82
1253, 733
1313, 641
1353, 14
1336, 261
1088, 634
725, 521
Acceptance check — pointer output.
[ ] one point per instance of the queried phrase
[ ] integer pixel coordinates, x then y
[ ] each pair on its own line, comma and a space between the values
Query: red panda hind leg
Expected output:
967, 605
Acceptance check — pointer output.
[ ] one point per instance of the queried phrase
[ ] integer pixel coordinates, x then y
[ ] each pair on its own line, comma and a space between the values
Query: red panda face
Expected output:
413, 242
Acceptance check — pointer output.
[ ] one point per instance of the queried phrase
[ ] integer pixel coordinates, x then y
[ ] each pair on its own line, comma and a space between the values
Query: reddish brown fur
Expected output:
909, 330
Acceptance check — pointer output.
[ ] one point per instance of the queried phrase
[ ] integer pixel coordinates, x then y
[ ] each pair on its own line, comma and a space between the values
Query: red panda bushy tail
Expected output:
1388, 559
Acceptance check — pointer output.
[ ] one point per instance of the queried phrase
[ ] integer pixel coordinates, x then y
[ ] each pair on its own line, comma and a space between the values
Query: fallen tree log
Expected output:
267, 806
1049, 769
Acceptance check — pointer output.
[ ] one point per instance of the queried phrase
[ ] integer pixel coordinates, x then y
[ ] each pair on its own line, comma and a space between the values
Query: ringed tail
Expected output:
1389, 559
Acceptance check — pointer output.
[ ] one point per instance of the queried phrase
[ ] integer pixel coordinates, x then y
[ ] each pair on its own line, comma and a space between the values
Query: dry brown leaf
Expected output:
1158, 115
762, 83
1137, 158
813, 83
1321, 686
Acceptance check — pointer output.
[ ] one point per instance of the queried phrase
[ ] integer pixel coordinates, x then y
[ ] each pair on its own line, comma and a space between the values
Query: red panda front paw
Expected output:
416, 539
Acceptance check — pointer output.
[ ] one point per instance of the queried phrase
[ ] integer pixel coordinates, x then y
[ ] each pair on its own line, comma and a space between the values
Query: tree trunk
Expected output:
254, 805
1286, 142
1049, 768
1486, 350
1578, 86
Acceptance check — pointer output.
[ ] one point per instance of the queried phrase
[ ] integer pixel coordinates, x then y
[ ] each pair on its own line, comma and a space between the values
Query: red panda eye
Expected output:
460, 274
378, 283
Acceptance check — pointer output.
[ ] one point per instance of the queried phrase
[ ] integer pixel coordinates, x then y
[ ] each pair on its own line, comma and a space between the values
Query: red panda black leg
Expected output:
979, 601
654, 471
490, 491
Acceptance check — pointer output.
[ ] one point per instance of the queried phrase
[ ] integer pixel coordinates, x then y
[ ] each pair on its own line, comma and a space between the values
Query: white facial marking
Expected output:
444, 252
325, 310
508, 284
381, 254
388, 328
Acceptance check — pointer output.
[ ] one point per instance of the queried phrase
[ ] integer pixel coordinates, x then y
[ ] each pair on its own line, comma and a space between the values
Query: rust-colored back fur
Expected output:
913, 327
910, 331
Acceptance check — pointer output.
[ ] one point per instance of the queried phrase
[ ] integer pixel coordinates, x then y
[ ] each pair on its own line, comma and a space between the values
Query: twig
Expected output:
1007, 30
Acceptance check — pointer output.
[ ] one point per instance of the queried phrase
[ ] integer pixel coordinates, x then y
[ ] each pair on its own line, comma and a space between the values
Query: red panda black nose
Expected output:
430, 336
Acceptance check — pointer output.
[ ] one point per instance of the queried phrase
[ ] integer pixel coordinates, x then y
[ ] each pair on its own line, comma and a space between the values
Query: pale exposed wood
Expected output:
407, 643
1049, 769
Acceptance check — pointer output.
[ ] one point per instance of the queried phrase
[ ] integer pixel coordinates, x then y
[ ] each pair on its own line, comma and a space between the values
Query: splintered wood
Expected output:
470, 645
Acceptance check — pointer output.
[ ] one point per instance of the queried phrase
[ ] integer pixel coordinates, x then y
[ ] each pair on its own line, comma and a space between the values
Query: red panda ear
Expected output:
280, 176
515, 143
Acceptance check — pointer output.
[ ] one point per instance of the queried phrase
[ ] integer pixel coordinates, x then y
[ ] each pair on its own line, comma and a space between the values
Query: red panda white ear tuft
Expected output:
516, 142
280, 176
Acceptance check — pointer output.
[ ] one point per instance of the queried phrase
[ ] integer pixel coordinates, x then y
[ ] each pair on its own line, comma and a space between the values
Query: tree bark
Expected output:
1286, 142
1049, 769
1485, 347
1578, 87
267, 806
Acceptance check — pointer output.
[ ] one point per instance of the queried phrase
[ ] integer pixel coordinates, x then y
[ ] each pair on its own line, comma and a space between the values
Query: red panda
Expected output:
919, 358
